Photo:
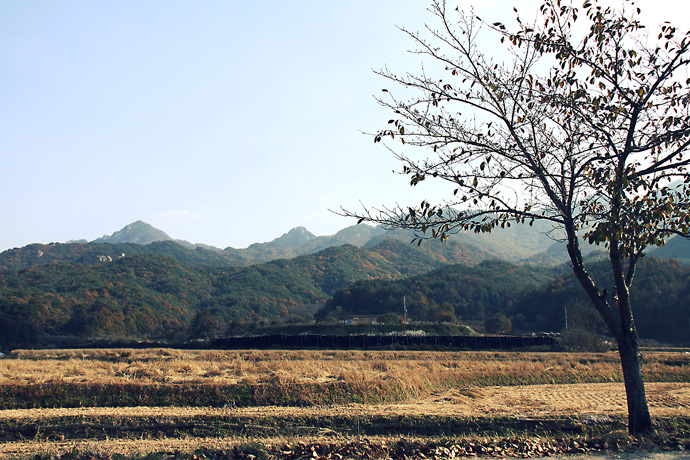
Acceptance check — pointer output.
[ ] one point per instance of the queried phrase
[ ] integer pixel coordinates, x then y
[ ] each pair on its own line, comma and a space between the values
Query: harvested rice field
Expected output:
165, 403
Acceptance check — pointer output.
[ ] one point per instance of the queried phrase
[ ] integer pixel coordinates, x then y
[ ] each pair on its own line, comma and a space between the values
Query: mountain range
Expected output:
534, 245
139, 283
514, 244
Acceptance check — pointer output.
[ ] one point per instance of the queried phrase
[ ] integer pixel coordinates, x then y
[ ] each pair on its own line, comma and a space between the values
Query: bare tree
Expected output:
584, 124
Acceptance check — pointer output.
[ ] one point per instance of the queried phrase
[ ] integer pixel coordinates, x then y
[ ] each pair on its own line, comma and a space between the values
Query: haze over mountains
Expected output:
519, 243
535, 245
511, 244
140, 232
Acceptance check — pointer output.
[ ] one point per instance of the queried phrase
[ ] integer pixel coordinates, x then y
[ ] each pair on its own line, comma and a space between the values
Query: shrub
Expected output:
578, 339
497, 324
389, 318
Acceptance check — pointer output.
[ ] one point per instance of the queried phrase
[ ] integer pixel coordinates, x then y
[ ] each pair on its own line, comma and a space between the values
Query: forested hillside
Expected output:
136, 297
147, 296
535, 299
661, 290
93, 253
168, 291
452, 293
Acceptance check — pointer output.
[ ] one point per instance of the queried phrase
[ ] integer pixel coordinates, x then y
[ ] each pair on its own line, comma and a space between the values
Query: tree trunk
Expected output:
620, 322
639, 420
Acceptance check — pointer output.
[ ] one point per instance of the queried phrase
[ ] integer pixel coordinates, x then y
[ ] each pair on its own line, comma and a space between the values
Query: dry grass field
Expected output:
411, 370
134, 402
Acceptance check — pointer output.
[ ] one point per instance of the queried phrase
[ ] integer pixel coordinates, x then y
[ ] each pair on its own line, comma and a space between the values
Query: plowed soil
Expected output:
595, 401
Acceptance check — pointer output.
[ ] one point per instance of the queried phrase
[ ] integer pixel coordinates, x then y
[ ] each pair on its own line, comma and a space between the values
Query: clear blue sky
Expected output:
219, 122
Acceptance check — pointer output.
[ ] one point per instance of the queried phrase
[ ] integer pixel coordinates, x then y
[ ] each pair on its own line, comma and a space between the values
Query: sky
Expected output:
219, 122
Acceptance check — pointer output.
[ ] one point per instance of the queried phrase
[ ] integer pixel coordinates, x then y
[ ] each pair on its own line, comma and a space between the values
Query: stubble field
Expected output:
176, 403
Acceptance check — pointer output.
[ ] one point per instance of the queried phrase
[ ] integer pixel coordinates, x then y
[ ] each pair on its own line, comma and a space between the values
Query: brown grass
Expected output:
408, 370
437, 392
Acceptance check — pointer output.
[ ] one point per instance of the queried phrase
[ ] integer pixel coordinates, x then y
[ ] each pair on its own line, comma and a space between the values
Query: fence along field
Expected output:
206, 397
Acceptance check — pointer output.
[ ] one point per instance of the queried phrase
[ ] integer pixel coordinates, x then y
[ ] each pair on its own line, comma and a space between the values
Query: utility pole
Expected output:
565, 308
404, 310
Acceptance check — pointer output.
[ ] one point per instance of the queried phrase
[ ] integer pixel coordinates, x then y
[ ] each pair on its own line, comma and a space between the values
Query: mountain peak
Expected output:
295, 238
138, 232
